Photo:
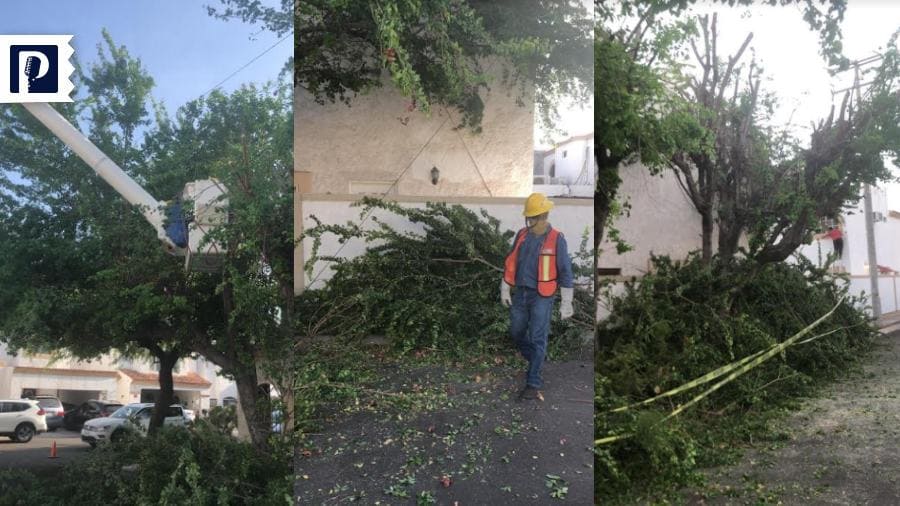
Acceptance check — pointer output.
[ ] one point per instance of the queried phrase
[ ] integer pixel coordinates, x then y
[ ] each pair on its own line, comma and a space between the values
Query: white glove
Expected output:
565, 306
505, 298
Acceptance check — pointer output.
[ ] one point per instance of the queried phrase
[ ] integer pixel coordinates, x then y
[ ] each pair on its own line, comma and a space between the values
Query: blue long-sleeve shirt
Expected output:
527, 261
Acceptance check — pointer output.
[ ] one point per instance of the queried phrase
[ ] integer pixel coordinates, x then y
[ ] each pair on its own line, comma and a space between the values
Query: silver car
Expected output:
54, 409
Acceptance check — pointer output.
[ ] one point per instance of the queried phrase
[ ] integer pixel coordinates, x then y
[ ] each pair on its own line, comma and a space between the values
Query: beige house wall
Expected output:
371, 142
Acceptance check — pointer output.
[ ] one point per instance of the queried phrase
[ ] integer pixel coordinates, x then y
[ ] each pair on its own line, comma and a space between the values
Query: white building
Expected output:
197, 385
855, 260
567, 169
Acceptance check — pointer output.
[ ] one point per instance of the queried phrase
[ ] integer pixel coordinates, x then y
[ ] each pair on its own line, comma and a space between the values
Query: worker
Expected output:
538, 263
836, 234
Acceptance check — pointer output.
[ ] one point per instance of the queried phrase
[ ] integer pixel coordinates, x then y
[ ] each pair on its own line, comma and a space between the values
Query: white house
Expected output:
855, 260
567, 169
111, 378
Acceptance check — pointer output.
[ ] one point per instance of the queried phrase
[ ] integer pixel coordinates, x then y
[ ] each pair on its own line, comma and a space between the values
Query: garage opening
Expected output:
73, 397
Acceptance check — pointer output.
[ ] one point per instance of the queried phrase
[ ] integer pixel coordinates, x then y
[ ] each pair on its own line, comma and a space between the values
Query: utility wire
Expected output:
260, 55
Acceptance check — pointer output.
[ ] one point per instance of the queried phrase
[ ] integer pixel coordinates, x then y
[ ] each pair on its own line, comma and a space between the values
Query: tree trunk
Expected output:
729, 238
707, 231
253, 401
787, 244
167, 361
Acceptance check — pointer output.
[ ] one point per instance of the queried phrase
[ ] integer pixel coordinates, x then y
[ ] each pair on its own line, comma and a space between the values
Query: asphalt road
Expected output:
36, 453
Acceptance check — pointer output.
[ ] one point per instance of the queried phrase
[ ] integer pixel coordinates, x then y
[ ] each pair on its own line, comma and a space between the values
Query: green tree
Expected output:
83, 273
758, 179
637, 51
245, 140
435, 51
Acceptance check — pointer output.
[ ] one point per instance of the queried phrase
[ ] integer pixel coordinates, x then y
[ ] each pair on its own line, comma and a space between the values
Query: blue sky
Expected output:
186, 51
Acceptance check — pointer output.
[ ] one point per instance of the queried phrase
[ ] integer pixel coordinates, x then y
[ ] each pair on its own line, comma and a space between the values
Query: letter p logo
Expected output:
34, 69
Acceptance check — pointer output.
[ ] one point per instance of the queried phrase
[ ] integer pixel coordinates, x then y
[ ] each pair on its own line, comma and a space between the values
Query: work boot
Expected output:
530, 393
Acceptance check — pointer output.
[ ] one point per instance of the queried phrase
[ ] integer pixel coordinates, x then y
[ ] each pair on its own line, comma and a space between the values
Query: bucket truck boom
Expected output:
180, 235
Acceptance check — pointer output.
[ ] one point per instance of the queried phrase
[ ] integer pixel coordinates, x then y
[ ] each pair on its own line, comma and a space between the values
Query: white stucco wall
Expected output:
377, 137
573, 217
107, 386
662, 221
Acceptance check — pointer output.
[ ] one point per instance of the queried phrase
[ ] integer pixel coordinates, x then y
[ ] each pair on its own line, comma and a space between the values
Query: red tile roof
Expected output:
190, 378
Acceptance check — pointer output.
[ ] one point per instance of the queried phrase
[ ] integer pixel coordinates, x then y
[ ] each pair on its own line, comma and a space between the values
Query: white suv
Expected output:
21, 419
130, 418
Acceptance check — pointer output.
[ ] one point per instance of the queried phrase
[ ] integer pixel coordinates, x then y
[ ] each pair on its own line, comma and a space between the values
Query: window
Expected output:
553, 170
565, 153
174, 411
229, 401
213, 403
45, 402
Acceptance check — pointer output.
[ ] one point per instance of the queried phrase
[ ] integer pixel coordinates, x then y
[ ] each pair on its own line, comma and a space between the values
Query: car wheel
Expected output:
24, 433
93, 444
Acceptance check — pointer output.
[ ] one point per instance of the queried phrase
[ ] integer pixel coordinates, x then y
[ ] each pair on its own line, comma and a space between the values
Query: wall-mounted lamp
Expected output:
435, 174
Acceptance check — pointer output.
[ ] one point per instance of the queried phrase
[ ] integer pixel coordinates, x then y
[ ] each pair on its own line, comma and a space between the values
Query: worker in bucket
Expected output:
538, 264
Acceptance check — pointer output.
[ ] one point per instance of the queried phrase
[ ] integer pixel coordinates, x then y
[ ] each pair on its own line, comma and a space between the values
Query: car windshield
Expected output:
48, 403
125, 412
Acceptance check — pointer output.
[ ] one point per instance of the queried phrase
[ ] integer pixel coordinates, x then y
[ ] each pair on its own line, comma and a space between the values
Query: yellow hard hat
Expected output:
537, 204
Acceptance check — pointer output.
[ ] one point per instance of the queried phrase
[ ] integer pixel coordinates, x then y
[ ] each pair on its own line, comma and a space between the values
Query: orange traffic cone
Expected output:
53, 450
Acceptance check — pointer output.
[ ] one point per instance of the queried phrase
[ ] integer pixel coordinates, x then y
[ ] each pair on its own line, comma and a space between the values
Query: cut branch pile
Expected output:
436, 289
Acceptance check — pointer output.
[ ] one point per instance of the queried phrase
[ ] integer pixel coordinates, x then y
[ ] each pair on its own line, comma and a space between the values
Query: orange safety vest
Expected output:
546, 263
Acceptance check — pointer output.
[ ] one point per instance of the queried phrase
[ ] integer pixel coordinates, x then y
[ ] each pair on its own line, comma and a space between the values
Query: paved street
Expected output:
35, 454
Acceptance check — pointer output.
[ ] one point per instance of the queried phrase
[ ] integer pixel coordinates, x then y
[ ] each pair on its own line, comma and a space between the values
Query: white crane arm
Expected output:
151, 208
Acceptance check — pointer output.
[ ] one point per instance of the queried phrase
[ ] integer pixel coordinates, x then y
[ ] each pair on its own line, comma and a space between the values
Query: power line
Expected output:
260, 55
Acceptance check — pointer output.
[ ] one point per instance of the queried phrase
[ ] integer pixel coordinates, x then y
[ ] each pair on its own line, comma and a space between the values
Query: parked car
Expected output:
189, 416
74, 420
54, 409
131, 418
21, 419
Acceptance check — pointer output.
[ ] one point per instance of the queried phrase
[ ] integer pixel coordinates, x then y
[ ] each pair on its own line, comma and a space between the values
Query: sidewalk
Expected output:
889, 322
839, 449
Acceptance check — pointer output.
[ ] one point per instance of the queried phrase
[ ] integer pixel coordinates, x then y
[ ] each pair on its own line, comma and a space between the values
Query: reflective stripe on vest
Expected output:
546, 267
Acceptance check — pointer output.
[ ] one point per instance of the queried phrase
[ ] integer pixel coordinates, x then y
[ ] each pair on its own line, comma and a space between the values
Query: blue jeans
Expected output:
529, 326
